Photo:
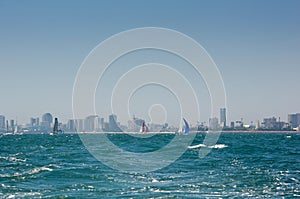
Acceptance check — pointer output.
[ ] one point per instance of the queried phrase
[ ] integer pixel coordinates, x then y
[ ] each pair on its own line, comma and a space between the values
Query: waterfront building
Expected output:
12, 125
232, 125
223, 117
273, 124
112, 123
47, 119
2, 122
135, 124
71, 125
156, 127
257, 124
101, 124
91, 123
34, 122
269, 123
79, 125
294, 120
213, 123
106, 126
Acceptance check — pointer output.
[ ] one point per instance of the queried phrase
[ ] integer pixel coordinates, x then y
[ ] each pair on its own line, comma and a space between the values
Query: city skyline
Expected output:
96, 123
254, 44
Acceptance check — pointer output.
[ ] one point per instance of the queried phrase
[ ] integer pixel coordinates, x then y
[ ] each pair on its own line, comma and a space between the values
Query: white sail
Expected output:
16, 129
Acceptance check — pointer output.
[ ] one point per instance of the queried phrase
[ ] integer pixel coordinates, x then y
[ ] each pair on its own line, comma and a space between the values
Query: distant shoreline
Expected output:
155, 133
243, 131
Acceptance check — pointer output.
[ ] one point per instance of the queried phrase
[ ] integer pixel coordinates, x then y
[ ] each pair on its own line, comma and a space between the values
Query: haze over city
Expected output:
149, 99
255, 45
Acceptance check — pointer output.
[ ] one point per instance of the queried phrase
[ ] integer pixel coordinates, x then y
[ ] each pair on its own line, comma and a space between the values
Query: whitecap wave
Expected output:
216, 146
197, 146
38, 170
29, 172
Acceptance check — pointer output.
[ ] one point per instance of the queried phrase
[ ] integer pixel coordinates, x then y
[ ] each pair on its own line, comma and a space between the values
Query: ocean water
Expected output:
240, 165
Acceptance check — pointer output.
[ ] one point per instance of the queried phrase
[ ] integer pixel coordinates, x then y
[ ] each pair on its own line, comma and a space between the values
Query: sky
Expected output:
255, 45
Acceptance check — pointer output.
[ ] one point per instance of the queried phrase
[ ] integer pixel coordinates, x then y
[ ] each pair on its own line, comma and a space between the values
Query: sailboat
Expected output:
55, 128
16, 129
144, 128
186, 127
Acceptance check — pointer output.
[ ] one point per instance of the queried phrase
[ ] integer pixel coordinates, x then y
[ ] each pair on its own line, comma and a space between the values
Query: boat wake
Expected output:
216, 146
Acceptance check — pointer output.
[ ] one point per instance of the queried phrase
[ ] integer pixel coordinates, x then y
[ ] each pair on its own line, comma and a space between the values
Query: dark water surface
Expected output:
242, 165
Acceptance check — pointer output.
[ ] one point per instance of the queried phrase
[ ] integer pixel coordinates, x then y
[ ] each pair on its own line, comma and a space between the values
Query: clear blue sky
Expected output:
255, 44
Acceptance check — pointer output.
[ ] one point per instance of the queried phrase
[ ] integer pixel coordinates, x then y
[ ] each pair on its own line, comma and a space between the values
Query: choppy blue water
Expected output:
248, 165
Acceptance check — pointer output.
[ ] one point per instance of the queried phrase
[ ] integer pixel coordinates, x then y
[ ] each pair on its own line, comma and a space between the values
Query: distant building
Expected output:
232, 125
213, 123
79, 125
272, 124
47, 119
135, 124
269, 123
35, 122
2, 122
101, 124
223, 117
257, 125
91, 123
112, 123
106, 126
71, 125
12, 125
157, 127
239, 124
294, 120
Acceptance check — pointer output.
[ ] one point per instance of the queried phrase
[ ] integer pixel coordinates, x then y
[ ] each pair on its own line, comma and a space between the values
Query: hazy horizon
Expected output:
255, 45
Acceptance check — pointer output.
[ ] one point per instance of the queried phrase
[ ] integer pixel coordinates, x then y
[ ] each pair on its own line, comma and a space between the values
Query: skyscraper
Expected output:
2, 122
223, 117
112, 123
34, 121
79, 125
294, 120
47, 119
12, 125
71, 125
213, 123
101, 124
90, 123
270, 123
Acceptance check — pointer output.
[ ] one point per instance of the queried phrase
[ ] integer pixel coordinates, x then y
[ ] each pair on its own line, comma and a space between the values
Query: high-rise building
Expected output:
79, 124
97, 124
91, 123
47, 119
101, 124
34, 122
232, 125
294, 120
270, 123
71, 125
223, 117
112, 123
213, 123
12, 125
257, 125
2, 122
